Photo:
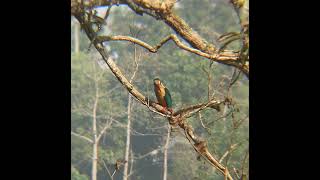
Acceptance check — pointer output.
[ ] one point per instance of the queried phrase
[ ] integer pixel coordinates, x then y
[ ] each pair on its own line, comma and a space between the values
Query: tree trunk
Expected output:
94, 132
224, 118
94, 161
76, 37
165, 156
125, 170
131, 161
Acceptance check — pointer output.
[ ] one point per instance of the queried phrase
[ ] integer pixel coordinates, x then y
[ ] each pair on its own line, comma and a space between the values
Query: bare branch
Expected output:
206, 128
188, 111
232, 148
222, 117
161, 127
81, 111
107, 94
135, 131
202, 149
236, 172
243, 162
228, 35
145, 134
153, 152
108, 12
106, 167
107, 126
223, 56
235, 76
82, 137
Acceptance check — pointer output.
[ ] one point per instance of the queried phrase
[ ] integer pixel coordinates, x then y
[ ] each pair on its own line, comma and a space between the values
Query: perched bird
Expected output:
117, 165
163, 95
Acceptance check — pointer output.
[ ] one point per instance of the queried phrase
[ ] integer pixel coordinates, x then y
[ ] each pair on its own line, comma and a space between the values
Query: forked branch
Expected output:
223, 56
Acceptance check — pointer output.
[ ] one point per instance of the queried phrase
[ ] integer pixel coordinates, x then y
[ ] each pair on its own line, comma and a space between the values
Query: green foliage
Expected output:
75, 175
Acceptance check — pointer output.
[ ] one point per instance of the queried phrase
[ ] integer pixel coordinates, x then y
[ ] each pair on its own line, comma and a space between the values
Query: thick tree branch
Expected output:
163, 6
201, 147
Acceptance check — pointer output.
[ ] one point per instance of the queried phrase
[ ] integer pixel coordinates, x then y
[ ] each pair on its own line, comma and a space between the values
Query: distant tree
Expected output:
91, 106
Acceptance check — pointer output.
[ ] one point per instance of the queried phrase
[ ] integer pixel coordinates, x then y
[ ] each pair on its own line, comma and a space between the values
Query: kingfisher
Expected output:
163, 95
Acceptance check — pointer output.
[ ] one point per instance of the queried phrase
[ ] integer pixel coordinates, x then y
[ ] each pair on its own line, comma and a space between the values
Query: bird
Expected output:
117, 165
163, 95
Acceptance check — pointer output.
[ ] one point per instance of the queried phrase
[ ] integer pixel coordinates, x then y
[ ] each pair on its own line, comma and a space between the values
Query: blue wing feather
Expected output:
168, 98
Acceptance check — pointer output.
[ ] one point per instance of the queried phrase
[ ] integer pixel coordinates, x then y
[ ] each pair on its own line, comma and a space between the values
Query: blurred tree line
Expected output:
186, 76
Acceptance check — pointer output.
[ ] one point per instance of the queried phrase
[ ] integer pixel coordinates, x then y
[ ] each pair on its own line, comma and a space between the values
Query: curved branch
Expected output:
213, 103
223, 56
